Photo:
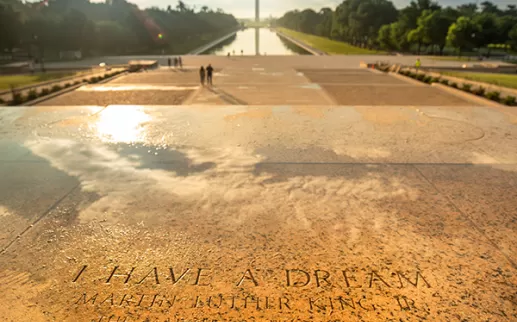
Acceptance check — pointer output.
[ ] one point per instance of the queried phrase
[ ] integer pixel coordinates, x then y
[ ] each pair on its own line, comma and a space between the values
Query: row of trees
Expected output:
422, 24
113, 27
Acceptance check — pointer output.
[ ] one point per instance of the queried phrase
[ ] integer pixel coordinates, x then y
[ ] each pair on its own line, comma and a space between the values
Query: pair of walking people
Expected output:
206, 73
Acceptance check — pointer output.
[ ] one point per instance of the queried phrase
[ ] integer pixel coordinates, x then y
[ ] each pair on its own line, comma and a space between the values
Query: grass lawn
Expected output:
327, 45
27, 79
505, 80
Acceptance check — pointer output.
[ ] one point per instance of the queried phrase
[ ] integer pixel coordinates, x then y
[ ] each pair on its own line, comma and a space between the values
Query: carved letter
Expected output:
344, 303
109, 300
173, 277
128, 300
347, 281
198, 277
284, 301
128, 275
250, 277
404, 304
323, 278
209, 303
155, 270
297, 283
79, 274
313, 304
415, 284
378, 277
85, 301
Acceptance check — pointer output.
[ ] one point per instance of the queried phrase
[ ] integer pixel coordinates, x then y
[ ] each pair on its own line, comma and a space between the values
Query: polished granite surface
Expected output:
258, 213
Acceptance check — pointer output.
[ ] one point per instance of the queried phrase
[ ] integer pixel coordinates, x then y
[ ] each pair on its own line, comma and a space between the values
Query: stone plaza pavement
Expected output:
245, 80
323, 194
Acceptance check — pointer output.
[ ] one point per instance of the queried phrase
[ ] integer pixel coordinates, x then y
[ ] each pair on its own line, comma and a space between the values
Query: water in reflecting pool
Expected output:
256, 41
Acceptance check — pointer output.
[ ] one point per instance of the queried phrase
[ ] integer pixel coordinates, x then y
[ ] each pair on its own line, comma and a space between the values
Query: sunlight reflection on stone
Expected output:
124, 124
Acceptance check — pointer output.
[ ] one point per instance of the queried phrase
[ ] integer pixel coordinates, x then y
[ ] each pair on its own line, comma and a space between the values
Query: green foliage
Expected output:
435, 80
462, 33
505, 80
10, 27
355, 21
453, 85
445, 82
510, 101
466, 87
327, 45
67, 85
77, 82
17, 99
427, 79
494, 96
56, 88
420, 77
513, 37
480, 91
45, 91
32, 95
115, 27
434, 25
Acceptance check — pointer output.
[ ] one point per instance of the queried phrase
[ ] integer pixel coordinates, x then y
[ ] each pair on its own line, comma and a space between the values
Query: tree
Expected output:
512, 35
359, 21
416, 36
461, 34
398, 35
435, 26
384, 39
511, 10
324, 28
488, 32
309, 19
10, 27
489, 7
181, 6
504, 26
468, 10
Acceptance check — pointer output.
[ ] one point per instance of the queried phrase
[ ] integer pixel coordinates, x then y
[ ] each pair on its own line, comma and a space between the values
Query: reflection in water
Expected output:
256, 41
122, 124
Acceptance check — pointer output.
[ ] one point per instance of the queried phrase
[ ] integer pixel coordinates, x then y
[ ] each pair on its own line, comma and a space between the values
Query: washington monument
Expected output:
257, 10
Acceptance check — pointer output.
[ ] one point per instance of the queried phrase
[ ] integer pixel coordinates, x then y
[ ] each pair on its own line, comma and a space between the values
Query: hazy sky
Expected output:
246, 8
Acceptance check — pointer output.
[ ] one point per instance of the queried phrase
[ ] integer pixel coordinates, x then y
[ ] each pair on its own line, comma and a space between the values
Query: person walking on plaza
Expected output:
169, 61
209, 72
418, 63
202, 75
175, 62
180, 62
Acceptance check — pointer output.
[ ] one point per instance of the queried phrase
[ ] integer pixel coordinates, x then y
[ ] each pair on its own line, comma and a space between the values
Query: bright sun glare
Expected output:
122, 124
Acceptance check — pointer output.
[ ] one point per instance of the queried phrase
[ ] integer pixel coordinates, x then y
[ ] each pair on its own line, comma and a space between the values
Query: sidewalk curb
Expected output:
301, 44
47, 83
50, 96
202, 49
67, 90
407, 79
468, 96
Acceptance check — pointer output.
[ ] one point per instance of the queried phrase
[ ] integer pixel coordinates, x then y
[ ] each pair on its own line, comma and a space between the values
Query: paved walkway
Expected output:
256, 82
267, 212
